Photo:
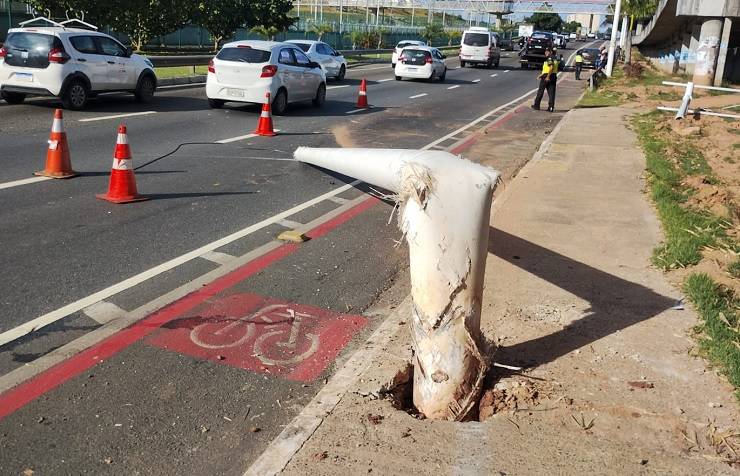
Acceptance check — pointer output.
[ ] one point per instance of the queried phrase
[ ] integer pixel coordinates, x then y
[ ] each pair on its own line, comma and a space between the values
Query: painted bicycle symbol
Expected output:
277, 327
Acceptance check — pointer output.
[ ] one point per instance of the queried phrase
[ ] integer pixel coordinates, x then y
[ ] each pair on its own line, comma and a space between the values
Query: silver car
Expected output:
330, 60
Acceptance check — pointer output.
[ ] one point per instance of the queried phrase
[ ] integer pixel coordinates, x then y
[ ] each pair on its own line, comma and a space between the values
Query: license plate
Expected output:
235, 93
411, 69
28, 77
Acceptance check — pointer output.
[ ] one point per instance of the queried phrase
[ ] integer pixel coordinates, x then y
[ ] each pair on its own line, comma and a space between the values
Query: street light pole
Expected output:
613, 39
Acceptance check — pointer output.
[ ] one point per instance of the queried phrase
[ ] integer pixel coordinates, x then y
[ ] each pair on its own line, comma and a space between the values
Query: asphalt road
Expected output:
152, 402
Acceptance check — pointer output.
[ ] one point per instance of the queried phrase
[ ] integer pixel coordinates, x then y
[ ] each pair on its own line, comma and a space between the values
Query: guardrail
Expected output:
200, 60
688, 96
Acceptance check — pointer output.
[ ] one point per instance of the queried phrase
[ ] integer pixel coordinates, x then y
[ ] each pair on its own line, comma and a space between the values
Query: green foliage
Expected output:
545, 21
143, 20
571, 27
717, 308
221, 17
453, 36
431, 31
272, 13
687, 230
734, 269
320, 29
639, 9
268, 32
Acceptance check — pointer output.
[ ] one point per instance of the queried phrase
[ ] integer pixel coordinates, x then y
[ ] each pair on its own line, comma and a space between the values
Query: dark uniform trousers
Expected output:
549, 85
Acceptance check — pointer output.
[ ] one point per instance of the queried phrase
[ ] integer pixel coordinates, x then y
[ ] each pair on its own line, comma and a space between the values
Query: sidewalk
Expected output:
611, 386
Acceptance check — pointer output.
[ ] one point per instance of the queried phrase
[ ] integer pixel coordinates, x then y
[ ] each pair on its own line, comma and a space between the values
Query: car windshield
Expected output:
303, 46
476, 39
244, 55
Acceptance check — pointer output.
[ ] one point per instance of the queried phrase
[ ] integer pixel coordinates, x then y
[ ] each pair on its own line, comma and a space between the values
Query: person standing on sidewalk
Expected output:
548, 81
579, 63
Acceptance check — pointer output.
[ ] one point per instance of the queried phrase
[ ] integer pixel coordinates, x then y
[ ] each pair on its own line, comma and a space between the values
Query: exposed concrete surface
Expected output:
612, 386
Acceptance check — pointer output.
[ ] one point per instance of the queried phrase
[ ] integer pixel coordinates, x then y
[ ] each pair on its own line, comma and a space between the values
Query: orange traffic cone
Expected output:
362, 97
58, 162
264, 126
122, 185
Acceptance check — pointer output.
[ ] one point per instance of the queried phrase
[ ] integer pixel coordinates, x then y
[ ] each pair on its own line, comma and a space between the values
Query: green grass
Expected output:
665, 96
720, 335
686, 230
692, 161
734, 269
733, 131
177, 71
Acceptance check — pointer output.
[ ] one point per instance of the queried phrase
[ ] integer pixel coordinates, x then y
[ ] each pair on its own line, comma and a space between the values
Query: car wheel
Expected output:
320, 98
393, 65
342, 73
13, 98
145, 89
398, 78
443, 75
76, 96
462, 64
280, 103
216, 103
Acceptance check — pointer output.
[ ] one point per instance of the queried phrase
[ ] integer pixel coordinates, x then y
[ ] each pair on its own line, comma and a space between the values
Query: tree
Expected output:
545, 21
273, 13
93, 11
571, 27
452, 36
430, 32
381, 32
356, 38
143, 20
320, 29
221, 17
636, 10
268, 32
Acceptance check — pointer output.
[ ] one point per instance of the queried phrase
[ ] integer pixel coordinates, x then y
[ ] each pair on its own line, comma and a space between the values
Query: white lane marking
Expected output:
454, 87
494, 75
384, 80
418, 96
57, 314
506, 71
25, 181
244, 137
356, 110
116, 116
338, 87
338, 200
103, 312
218, 257
290, 224
476, 80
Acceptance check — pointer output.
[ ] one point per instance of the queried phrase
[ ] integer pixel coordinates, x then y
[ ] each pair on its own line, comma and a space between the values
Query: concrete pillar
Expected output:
623, 33
723, 46
693, 46
685, 44
707, 52
499, 20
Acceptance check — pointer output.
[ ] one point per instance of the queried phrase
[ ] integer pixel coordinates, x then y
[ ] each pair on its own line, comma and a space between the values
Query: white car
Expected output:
244, 71
478, 46
72, 64
400, 46
573, 36
421, 62
331, 61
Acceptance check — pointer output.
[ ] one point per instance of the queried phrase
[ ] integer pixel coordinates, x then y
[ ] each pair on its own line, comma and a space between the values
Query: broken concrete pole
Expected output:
445, 206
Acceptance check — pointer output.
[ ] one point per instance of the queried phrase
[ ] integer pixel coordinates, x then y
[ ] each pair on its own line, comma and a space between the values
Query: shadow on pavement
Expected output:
615, 303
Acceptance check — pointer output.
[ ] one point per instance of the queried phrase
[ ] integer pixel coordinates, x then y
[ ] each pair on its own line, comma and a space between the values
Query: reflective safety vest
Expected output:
579, 58
550, 66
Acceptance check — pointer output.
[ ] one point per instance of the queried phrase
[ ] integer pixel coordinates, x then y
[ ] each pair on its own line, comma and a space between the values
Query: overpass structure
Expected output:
700, 38
499, 7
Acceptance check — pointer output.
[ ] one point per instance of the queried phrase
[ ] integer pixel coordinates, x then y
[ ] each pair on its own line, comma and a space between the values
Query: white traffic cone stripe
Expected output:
123, 164
363, 93
57, 126
122, 139
265, 114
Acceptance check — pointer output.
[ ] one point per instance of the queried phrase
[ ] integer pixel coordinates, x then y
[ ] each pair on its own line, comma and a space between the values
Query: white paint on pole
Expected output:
446, 203
613, 39
623, 32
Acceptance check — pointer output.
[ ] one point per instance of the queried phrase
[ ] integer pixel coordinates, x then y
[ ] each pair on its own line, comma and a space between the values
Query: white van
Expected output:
479, 46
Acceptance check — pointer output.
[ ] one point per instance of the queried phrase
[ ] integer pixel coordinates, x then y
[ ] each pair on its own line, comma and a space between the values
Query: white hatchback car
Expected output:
421, 62
244, 71
400, 46
331, 61
72, 64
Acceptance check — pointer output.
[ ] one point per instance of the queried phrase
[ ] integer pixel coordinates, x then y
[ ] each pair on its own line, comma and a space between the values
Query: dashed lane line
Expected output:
454, 87
26, 181
494, 75
384, 80
116, 116
476, 81
418, 96
338, 87
506, 71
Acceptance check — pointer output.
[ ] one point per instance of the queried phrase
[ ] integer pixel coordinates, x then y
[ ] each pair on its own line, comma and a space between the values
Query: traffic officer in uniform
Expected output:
579, 63
548, 80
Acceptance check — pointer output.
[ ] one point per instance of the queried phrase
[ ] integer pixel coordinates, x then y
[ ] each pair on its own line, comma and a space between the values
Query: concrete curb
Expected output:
182, 80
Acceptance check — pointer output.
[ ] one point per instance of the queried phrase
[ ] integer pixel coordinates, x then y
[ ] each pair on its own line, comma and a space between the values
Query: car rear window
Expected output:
30, 49
404, 44
303, 46
415, 56
476, 39
244, 55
